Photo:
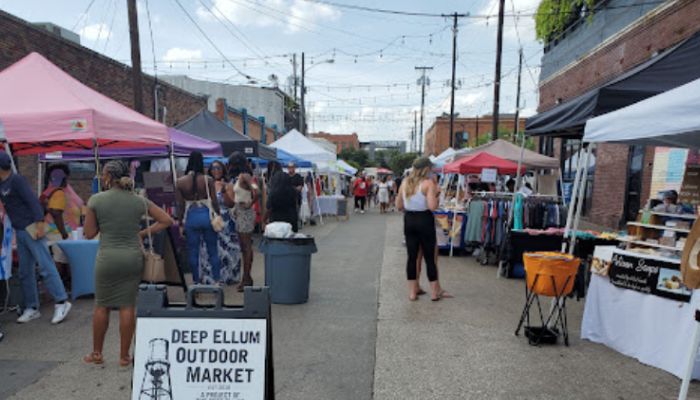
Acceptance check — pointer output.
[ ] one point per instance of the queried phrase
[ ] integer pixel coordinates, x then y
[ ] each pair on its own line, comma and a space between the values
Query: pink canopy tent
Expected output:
474, 163
43, 109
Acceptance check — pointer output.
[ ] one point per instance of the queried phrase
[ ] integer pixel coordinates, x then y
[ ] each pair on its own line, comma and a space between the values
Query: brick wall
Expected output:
437, 137
342, 142
656, 32
254, 128
109, 77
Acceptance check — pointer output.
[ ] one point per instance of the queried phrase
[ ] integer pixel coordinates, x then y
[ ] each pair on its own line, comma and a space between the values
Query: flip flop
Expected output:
443, 295
421, 292
126, 362
93, 358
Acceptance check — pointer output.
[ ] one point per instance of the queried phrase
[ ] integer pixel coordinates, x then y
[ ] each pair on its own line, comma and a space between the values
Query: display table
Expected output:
654, 330
81, 257
328, 205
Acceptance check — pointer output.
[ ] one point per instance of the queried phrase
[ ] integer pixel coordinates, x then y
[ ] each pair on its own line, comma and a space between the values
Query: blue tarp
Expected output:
282, 156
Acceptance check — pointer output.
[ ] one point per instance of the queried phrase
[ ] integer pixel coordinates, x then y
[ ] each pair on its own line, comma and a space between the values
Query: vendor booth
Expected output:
43, 110
669, 119
205, 125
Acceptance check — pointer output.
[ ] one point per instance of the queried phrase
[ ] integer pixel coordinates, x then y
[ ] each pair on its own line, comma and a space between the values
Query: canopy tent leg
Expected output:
572, 202
173, 167
39, 178
96, 150
579, 203
454, 219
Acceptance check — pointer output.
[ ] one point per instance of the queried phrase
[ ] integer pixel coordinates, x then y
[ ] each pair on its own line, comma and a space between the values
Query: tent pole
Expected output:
454, 219
572, 202
173, 167
581, 197
39, 176
96, 150
8, 150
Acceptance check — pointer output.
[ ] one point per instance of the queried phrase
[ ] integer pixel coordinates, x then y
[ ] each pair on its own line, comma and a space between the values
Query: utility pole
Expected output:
423, 82
497, 80
302, 108
135, 56
294, 76
415, 130
454, 70
516, 130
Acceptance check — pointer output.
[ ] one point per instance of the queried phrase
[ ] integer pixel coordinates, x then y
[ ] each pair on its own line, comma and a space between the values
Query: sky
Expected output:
371, 85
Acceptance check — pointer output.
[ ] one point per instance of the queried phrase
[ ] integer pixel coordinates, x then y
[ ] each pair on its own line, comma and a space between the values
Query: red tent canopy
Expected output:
384, 171
474, 163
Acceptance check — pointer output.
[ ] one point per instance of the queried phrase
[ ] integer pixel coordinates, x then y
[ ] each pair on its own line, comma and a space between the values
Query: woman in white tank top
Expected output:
418, 197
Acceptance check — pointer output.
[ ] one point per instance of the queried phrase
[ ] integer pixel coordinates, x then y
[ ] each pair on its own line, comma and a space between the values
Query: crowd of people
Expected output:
379, 191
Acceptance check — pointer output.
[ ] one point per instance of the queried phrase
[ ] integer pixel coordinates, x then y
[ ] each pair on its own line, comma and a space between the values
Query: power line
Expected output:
375, 10
153, 43
83, 15
212, 42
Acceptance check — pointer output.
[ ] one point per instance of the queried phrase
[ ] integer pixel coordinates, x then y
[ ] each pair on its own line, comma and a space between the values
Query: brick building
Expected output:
618, 37
467, 130
342, 142
109, 77
246, 124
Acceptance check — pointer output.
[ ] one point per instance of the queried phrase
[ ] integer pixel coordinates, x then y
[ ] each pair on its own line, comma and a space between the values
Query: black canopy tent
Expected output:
205, 125
674, 67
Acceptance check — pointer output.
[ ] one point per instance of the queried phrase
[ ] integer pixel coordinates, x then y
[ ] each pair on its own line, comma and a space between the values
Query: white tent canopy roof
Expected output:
669, 119
299, 145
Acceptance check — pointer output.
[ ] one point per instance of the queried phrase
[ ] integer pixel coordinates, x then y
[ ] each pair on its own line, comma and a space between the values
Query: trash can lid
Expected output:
298, 241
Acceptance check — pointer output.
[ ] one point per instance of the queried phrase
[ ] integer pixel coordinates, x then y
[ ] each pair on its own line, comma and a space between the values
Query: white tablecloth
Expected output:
328, 205
654, 330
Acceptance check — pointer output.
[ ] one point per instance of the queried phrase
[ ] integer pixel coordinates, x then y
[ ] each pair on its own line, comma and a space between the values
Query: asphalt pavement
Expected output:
359, 337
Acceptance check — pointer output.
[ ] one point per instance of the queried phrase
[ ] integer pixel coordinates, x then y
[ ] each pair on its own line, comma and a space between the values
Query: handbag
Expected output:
153, 263
217, 222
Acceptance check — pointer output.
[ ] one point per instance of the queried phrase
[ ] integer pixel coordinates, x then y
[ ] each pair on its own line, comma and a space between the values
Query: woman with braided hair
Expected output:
116, 215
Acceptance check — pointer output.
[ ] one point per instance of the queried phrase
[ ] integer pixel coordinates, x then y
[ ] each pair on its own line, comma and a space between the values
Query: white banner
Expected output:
199, 359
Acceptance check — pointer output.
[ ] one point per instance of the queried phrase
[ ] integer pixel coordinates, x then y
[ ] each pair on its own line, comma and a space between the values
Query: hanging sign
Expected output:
649, 275
489, 174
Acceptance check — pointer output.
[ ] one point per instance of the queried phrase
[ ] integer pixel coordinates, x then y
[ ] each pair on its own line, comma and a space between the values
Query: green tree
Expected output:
554, 16
400, 162
357, 158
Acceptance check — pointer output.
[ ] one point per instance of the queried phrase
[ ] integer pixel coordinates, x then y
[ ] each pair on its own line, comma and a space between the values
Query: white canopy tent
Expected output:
299, 145
668, 119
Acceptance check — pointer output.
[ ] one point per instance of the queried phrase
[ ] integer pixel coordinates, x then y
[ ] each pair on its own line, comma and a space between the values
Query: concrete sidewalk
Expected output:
465, 348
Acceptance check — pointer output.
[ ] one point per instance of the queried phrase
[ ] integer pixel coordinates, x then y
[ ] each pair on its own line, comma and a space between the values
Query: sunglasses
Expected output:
216, 168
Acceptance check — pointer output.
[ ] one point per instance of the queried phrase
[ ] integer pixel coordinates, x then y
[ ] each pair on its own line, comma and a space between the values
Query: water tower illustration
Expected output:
156, 383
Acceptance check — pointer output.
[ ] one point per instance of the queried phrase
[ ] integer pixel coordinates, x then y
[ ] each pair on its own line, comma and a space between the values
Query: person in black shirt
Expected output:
282, 197
297, 180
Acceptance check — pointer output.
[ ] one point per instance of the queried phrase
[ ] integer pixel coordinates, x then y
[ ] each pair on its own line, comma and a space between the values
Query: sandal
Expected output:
442, 295
93, 358
421, 292
126, 361
241, 286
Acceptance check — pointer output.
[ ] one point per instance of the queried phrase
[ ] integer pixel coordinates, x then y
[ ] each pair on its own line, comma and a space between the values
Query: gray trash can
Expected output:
288, 268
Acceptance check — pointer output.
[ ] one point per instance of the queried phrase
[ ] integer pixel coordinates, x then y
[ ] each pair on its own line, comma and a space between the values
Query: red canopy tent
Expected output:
43, 109
384, 171
474, 163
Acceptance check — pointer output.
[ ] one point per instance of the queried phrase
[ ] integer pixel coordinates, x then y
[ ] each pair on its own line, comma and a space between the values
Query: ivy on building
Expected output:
554, 17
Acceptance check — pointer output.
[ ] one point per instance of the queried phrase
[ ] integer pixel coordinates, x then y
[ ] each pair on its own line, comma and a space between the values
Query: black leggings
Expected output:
419, 229
360, 202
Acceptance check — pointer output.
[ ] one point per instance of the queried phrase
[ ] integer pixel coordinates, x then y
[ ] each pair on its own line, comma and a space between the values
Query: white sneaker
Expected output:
28, 315
60, 312
362, 212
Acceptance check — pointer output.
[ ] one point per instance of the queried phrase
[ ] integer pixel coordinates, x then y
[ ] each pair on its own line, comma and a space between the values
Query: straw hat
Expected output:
690, 261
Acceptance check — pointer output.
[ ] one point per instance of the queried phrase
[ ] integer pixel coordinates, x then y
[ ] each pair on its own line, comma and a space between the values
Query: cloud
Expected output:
95, 32
180, 54
292, 15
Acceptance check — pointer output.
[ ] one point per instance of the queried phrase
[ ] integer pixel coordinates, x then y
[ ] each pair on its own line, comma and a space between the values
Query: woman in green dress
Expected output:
116, 215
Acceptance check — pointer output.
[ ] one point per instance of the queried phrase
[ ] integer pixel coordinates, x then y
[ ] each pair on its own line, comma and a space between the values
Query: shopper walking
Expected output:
241, 194
116, 215
383, 195
418, 197
27, 216
196, 198
360, 189
228, 243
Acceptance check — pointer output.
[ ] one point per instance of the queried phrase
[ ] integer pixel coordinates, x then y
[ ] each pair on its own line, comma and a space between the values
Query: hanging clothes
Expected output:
474, 221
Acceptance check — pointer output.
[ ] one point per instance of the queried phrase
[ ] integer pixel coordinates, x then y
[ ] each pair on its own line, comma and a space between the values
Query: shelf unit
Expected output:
654, 228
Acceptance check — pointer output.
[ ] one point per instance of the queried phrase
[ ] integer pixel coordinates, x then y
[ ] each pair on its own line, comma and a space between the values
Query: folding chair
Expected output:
548, 274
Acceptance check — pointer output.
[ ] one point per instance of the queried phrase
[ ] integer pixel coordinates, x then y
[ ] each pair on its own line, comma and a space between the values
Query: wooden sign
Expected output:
690, 188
